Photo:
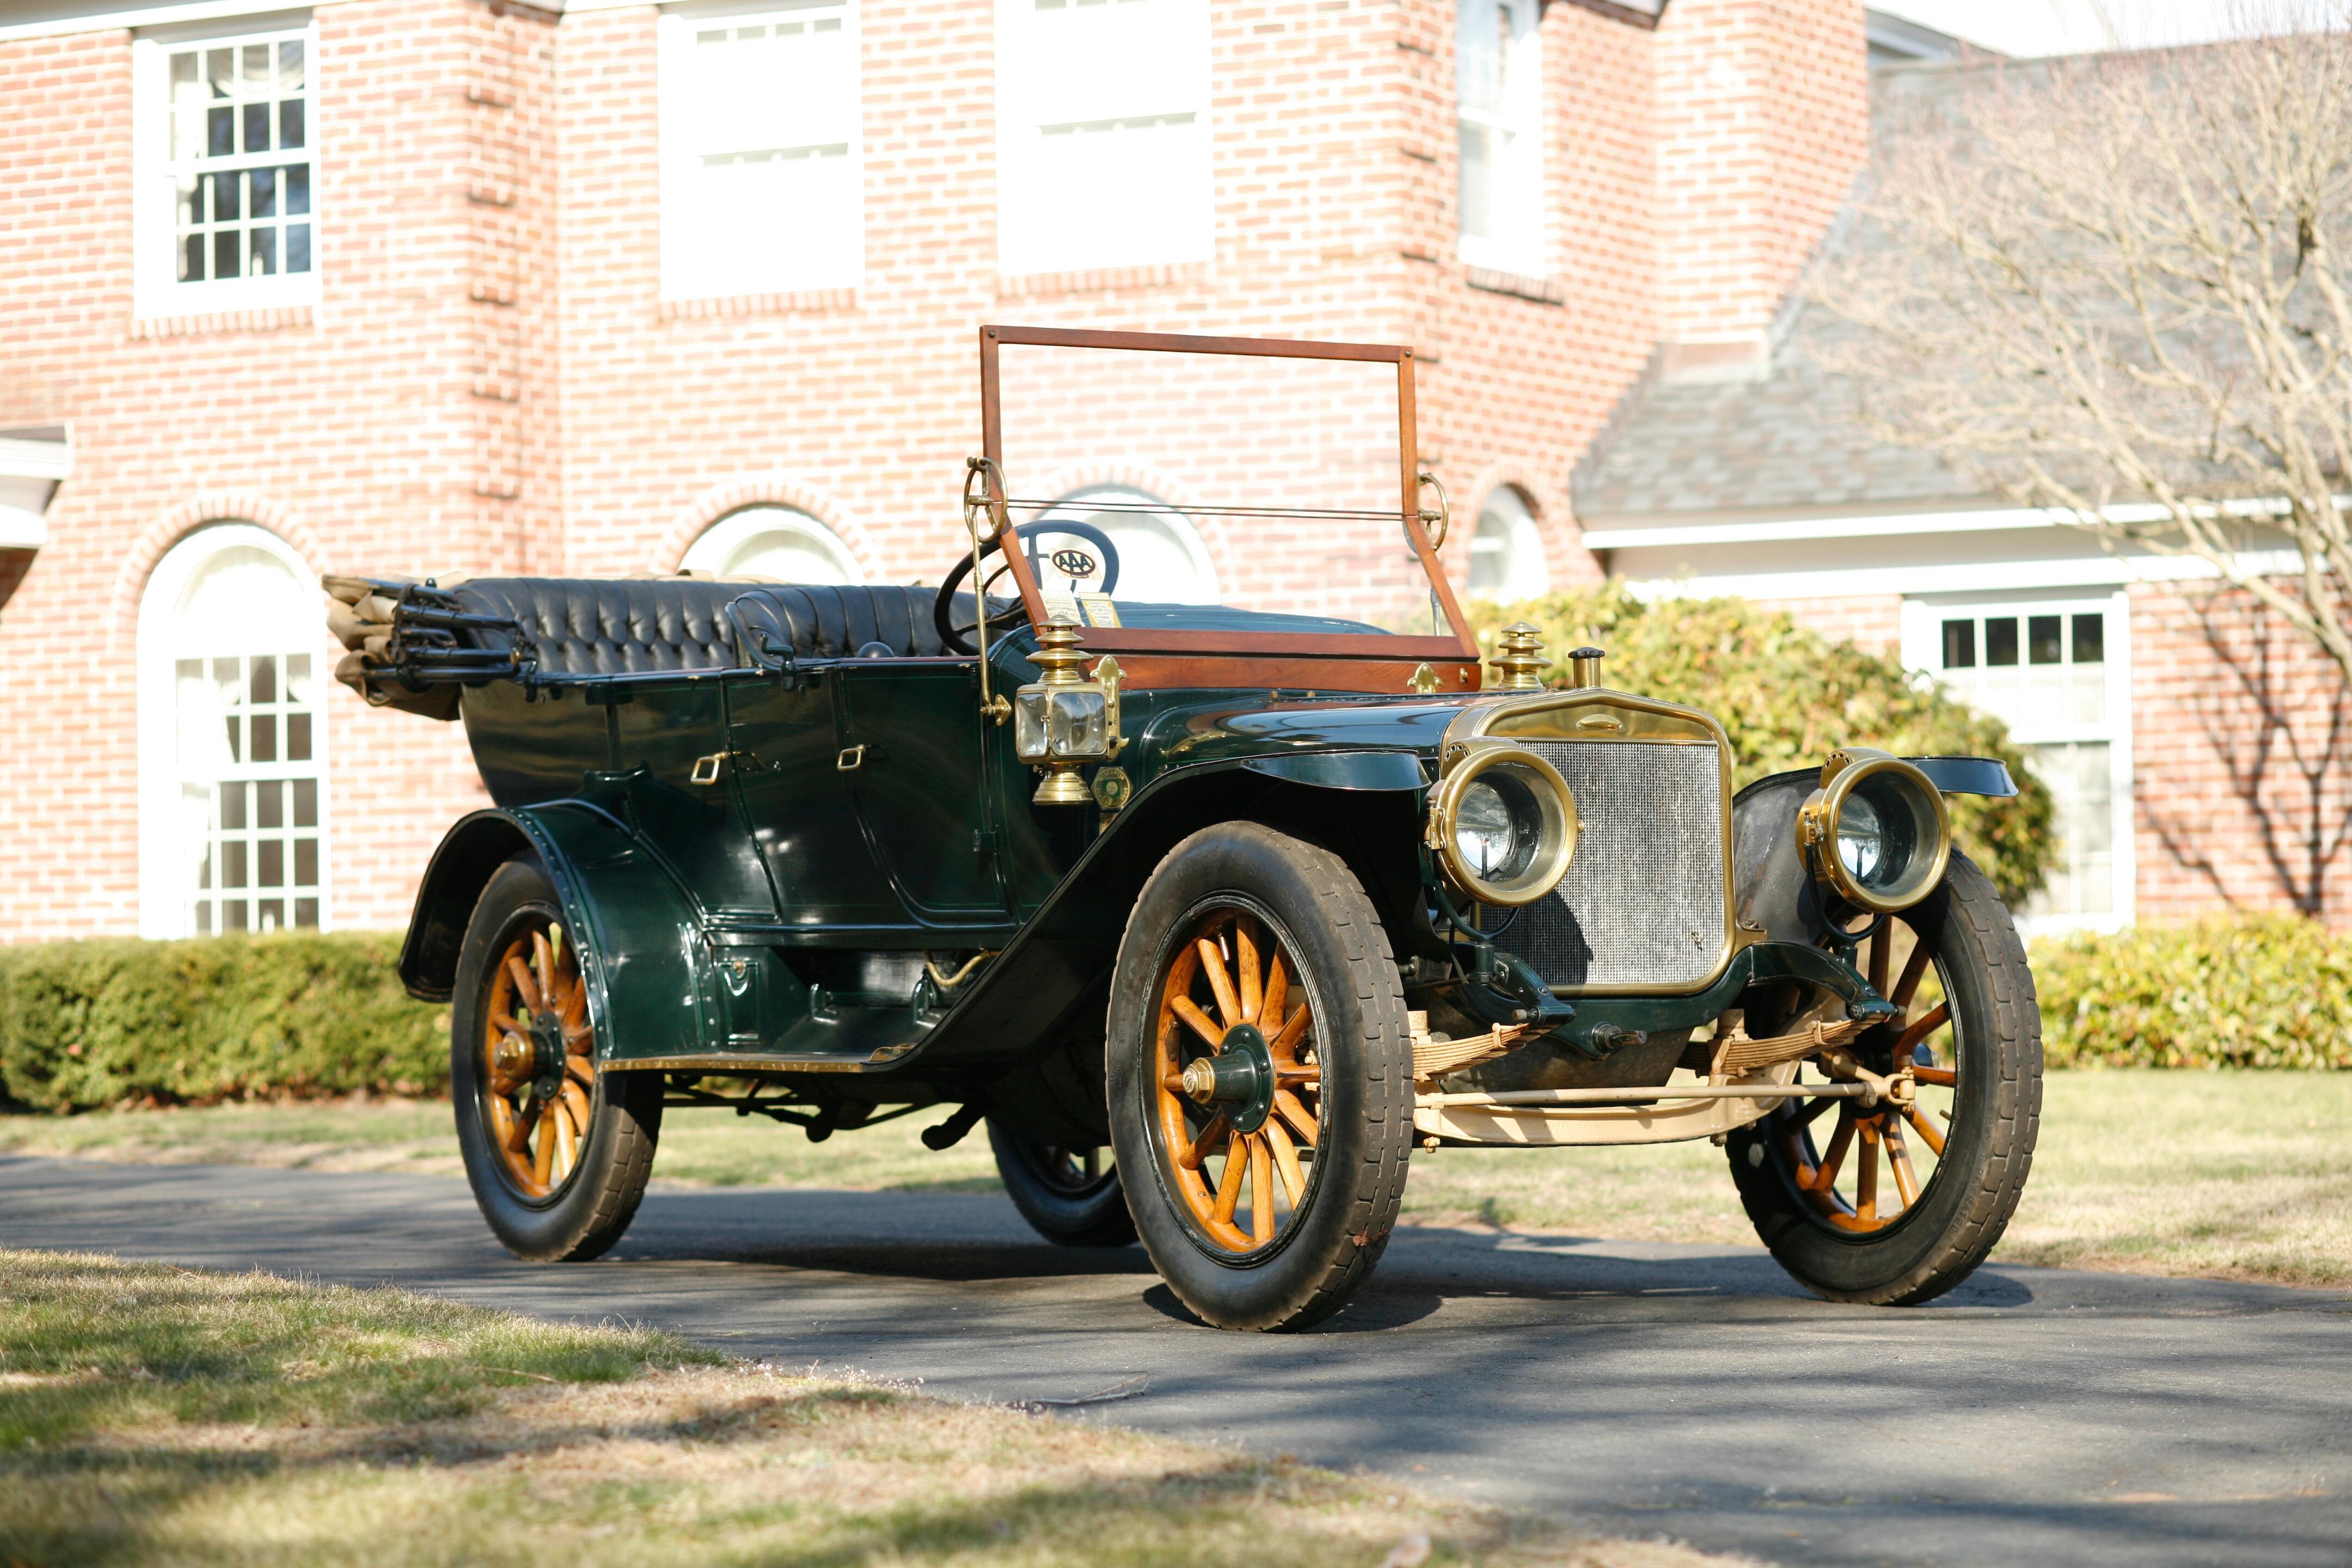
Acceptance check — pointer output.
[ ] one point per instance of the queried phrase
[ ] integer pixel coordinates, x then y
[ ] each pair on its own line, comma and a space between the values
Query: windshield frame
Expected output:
1285, 649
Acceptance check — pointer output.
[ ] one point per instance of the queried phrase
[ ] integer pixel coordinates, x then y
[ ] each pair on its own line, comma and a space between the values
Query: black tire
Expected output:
1313, 909
584, 1213
1055, 1195
1994, 1043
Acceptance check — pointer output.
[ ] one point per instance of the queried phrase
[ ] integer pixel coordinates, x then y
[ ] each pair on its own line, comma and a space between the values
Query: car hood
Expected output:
1169, 730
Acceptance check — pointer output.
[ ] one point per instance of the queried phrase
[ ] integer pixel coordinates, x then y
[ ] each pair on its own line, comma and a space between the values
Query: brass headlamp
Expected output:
1502, 823
1876, 830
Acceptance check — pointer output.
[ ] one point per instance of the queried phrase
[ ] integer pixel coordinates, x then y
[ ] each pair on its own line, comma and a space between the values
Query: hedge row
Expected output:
1788, 697
119, 1020
2250, 990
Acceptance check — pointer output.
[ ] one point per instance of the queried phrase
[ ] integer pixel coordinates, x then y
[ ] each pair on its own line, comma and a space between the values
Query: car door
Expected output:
912, 748
785, 737
670, 746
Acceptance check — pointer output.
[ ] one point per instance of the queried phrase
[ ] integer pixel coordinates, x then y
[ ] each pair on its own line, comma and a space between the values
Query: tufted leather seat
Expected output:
627, 626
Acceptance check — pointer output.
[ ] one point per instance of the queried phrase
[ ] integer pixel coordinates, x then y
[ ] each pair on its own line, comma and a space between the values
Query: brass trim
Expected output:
1556, 716
852, 758
1817, 827
1519, 657
1562, 824
1443, 516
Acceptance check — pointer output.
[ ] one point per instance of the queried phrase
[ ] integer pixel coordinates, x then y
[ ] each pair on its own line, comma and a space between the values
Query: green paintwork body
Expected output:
865, 808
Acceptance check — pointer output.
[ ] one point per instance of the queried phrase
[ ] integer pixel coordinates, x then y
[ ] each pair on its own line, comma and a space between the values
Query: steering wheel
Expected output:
955, 637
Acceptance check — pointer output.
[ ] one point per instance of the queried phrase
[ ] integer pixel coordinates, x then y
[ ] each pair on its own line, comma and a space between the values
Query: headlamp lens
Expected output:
1495, 827
1861, 839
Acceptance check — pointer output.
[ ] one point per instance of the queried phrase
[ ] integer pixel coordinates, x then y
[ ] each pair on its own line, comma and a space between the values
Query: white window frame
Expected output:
163, 894
1080, 505
1526, 575
693, 269
1045, 226
717, 548
1923, 619
1518, 239
157, 292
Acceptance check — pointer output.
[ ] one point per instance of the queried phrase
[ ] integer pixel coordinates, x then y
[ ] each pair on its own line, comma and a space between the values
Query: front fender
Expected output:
1365, 807
1773, 890
629, 919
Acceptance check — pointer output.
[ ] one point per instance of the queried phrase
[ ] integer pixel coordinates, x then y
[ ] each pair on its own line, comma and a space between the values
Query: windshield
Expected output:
1155, 488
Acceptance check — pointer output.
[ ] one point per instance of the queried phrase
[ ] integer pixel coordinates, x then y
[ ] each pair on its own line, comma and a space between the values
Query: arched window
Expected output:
777, 541
1160, 558
1507, 561
233, 818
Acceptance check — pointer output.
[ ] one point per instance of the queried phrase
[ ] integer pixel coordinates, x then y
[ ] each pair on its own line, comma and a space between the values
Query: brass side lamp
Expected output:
1062, 719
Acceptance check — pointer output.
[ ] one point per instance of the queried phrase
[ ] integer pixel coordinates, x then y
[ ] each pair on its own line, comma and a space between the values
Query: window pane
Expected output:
220, 130
205, 918
257, 67
2091, 639
297, 247
271, 914
271, 870
233, 864
298, 191
1475, 176
265, 252
192, 259
183, 68
264, 192
232, 914
227, 190
289, 124
1960, 645
306, 803
263, 687
269, 804
298, 737
2001, 640
306, 864
265, 737
232, 805
289, 66
236, 752
306, 913
220, 72
257, 128
2044, 644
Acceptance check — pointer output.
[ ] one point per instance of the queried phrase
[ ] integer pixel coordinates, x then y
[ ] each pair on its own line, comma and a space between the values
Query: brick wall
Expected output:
1872, 622
2242, 759
1763, 126
492, 382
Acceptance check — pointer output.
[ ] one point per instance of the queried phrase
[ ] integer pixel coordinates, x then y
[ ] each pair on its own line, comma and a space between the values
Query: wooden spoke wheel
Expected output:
1260, 1074
557, 1150
1897, 1202
1071, 1196
1240, 1088
539, 1061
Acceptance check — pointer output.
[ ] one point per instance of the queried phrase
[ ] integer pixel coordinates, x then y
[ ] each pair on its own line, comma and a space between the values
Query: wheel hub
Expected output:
1239, 1079
546, 1038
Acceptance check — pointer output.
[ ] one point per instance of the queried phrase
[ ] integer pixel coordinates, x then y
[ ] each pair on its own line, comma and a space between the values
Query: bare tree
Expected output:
2121, 289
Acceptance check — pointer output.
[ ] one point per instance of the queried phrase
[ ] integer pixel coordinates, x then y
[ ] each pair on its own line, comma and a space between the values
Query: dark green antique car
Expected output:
1214, 912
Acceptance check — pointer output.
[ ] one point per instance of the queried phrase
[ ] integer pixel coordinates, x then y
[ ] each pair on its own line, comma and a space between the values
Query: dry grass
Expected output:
2236, 1175
157, 1416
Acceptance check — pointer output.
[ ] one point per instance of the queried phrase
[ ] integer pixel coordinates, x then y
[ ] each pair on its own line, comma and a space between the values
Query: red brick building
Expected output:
408, 286
413, 285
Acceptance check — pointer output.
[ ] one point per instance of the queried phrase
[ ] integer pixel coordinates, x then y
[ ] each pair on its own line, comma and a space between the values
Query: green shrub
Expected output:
94, 1023
1788, 697
2246, 991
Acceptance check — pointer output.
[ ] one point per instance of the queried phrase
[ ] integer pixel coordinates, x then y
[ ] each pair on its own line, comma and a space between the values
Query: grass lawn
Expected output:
2239, 1175
151, 1415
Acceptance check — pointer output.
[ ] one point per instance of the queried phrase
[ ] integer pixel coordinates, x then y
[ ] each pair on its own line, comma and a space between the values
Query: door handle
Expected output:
851, 759
707, 770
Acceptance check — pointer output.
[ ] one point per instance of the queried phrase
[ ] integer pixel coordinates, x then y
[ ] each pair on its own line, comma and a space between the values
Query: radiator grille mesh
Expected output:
1643, 902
